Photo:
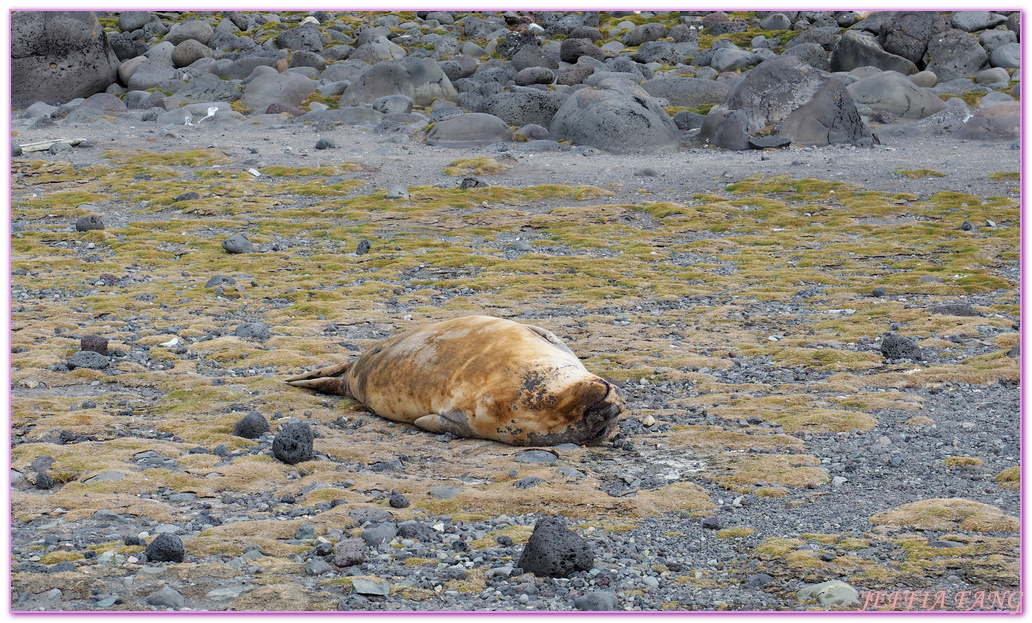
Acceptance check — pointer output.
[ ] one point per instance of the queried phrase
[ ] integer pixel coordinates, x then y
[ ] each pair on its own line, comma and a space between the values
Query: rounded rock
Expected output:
166, 548
294, 443
251, 426
238, 243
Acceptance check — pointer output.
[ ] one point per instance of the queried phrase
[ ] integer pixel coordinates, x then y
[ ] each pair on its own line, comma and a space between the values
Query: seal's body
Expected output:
479, 376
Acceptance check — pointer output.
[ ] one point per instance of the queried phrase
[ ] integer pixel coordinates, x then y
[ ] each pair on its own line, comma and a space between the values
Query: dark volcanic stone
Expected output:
190, 196
898, 347
954, 309
712, 523
88, 223
363, 247
349, 552
293, 444
44, 482
398, 500
556, 551
416, 531
251, 426
88, 359
94, 343
597, 601
256, 330
166, 548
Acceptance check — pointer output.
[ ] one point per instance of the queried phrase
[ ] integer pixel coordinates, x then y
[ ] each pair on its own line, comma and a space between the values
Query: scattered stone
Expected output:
294, 443
536, 457
363, 247
398, 192
378, 534
88, 359
349, 552
305, 532
238, 243
618, 116
317, 566
898, 347
879, 291
325, 143
555, 551
758, 580
218, 280
397, 500
445, 493
94, 343
370, 587
256, 330
955, 309
166, 597
44, 482
712, 522
166, 547
251, 426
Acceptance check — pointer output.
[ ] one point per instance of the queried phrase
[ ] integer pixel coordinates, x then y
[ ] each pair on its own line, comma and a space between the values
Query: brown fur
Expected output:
478, 376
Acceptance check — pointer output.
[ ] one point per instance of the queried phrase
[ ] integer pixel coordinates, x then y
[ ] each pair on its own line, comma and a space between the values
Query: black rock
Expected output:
187, 196
293, 444
504, 541
398, 500
251, 426
94, 343
16, 150
763, 142
131, 539
879, 291
166, 548
527, 483
898, 347
556, 551
88, 223
88, 359
416, 531
955, 309
222, 452
256, 330
62, 566
758, 580
218, 280
712, 522
472, 182
44, 482
967, 226
363, 247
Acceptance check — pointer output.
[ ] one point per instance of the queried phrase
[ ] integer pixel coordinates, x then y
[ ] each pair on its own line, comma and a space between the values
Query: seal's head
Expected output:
586, 413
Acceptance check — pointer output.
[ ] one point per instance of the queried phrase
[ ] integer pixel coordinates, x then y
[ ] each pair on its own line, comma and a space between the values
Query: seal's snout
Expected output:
601, 417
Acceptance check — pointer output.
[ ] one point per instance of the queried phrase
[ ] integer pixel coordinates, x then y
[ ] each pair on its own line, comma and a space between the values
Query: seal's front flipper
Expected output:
454, 422
328, 380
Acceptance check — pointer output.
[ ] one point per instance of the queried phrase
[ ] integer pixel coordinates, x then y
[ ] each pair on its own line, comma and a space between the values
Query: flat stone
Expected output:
105, 476
229, 592
370, 587
445, 493
536, 457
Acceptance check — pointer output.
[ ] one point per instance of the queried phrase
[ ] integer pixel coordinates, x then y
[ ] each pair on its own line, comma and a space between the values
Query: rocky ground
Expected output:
774, 438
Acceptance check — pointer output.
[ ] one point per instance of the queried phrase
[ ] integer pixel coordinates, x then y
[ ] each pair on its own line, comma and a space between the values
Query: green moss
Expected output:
142, 157
916, 173
1005, 175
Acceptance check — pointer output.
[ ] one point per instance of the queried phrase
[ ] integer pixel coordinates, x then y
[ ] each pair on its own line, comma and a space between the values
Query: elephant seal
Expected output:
482, 377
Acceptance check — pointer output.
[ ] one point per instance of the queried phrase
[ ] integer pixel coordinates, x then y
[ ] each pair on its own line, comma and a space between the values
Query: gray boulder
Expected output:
458, 67
166, 597
732, 59
151, 73
895, 93
770, 93
286, 88
419, 78
532, 56
534, 75
556, 551
468, 130
393, 104
188, 52
251, 426
349, 552
687, 92
993, 39
860, 49
306, 37
955, 55
209, 88
238, 243
812, 54
129, 21
350, 70
57, 56
663, 52
597, 600
996, 122
196, 29
618, 116
776, 21
88, 359
379, 49
523, 106
831, 593
645, 33
572, 49
970, 21
908, 33
1007, 56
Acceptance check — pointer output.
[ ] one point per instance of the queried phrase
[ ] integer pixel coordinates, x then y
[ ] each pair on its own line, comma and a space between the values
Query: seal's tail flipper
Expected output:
328, 380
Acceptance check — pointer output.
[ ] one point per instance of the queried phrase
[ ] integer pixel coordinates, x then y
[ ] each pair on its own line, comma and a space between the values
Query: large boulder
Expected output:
276, 88
771, 92
195, 29
893, 92
523, 106
996, 122
469, 130
419, 78
857, 48
908, 33
554, 550
956, 54
57, 56
618, 116
687, 92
